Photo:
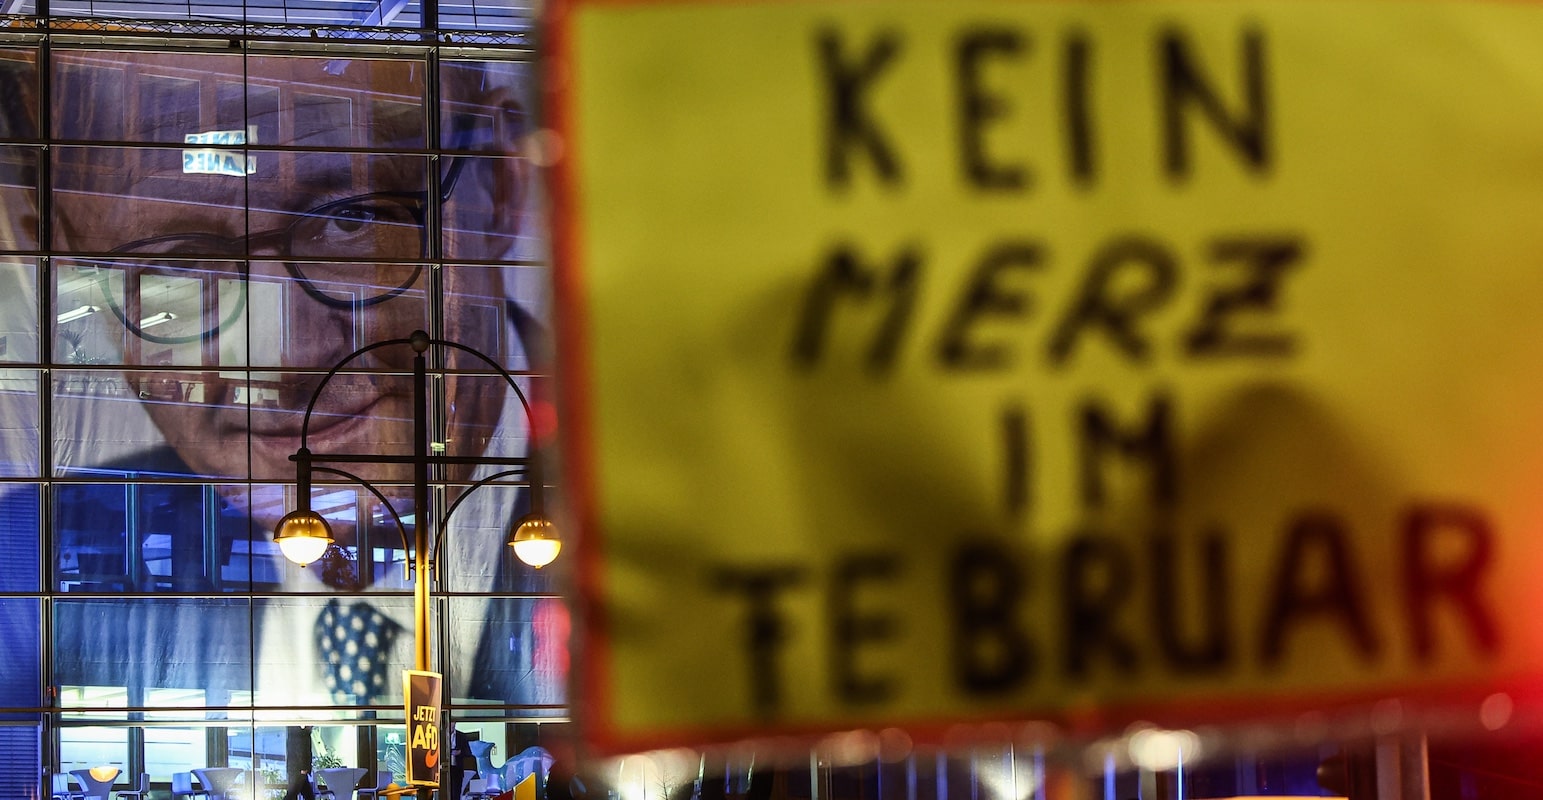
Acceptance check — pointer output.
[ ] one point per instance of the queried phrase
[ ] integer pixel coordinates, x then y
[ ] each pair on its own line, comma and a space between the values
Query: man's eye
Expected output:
361, 227
351, 220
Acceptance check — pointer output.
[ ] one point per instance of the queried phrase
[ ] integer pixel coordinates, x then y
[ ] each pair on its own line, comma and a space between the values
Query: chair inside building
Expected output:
138, 791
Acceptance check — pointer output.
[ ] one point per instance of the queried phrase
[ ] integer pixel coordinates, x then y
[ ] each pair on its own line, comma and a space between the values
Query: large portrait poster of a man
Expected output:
206, 235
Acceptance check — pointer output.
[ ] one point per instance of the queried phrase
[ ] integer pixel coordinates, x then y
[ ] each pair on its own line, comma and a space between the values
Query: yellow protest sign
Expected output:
943, 361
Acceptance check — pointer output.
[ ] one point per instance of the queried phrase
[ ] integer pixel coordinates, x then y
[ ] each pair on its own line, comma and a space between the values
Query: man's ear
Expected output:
504, 176
512, 181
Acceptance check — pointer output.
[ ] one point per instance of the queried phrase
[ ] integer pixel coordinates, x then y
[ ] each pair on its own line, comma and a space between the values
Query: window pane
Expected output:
169, 749
190, 311
21, 657
18, 197
489, 100
135, 96
278, 754
498, 310
21, 747
18, 93
19, 423
371, 103
333, 651
85, 747
18, 310
107, 198
475, 556
177, 537
19, 538
486, 15
512, 650
489, 213
374, 564
136, 645
108, 423
174, 310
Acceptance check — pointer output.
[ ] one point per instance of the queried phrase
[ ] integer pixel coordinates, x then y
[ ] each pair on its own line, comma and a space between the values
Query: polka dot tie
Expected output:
354, 643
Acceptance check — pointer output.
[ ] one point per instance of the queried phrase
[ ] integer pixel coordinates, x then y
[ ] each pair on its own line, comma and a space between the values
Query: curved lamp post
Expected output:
303, 535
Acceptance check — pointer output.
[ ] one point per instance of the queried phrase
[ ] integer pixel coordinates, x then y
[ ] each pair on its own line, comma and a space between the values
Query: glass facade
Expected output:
193, 232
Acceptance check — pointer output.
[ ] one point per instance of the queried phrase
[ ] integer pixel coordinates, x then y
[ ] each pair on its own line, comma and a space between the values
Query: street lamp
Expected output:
303, 535
535, 541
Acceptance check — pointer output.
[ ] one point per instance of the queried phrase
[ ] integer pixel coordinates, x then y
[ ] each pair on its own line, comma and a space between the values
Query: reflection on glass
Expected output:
188, 312
132, 96
350, 206
377, 225
170, 306
331, 102
288, 100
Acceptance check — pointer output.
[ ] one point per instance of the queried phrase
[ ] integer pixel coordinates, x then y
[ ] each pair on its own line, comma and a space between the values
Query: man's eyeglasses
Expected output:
349, 253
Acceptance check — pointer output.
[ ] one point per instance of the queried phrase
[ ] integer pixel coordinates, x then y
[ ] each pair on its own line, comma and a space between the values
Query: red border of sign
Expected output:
592, 682
572, 345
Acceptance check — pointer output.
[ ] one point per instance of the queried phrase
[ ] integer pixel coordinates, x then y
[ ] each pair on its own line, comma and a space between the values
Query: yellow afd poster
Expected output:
930, 362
